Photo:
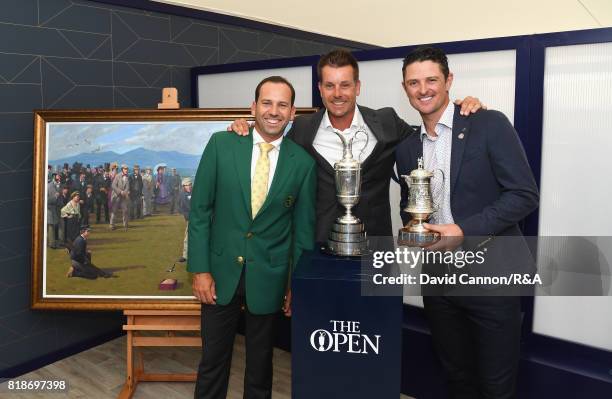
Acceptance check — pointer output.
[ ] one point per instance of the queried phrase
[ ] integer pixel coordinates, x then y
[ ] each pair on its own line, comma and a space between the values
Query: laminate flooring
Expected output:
99, 373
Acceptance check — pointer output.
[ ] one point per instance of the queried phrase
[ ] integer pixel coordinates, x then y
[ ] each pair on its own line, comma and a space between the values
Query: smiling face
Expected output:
426, 88
339, 91
273, 110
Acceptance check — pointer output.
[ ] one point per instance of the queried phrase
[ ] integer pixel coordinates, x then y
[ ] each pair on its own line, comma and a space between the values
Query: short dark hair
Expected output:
275, 79
421, 54
338, 58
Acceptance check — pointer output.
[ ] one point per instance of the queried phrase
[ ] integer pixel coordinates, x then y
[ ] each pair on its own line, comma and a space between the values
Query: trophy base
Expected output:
347, 240
411, 237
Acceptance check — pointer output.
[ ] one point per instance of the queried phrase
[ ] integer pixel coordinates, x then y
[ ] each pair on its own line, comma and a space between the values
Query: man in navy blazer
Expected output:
488, 189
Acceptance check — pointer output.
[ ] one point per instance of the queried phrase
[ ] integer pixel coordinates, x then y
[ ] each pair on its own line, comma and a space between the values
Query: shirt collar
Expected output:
445, 120
355, 123
258, 139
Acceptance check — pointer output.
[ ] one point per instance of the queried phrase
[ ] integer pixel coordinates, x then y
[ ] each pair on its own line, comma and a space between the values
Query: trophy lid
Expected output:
420, 172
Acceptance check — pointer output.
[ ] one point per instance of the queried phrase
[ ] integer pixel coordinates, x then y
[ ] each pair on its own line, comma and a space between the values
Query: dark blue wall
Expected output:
84, 54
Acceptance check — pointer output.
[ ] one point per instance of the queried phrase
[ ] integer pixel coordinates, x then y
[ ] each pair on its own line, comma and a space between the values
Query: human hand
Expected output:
469, 105
287, 304
451, 236
203, 288
240, 127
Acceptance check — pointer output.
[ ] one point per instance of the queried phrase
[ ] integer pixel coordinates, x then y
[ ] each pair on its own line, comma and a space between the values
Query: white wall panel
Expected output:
486, 75
575, 188
237, 89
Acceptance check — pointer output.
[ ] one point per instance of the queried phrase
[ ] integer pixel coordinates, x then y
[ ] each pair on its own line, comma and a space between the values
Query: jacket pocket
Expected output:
473, 153
279, 258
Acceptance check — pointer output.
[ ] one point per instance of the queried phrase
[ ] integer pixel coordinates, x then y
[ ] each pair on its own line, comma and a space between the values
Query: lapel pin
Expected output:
461, 136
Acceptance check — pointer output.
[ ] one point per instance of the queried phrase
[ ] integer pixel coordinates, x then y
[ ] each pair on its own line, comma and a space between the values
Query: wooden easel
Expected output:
168, 321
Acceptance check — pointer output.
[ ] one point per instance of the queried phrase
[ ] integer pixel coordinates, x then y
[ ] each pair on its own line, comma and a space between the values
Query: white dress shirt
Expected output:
272, 155
329, 146
437, 155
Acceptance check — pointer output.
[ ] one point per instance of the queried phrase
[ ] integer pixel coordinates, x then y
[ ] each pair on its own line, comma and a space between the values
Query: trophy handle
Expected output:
406, 179
362, 130
437, 206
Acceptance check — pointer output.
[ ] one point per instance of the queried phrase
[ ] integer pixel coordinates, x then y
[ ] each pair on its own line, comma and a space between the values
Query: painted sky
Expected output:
68, 139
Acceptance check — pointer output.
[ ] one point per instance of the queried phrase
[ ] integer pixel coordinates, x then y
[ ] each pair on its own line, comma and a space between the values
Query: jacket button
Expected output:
240, 260
249, 235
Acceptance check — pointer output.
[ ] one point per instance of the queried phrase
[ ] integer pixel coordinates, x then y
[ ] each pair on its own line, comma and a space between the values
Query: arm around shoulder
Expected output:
402, 128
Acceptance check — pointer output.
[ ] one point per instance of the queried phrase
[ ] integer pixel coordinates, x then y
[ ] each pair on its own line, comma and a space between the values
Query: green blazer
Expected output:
224, 238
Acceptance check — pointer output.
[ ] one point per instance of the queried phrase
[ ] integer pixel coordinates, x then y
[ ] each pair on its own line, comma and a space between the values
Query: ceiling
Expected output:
404, 22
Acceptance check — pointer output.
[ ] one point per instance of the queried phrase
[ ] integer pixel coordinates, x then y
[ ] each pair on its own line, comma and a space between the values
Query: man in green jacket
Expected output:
252, 215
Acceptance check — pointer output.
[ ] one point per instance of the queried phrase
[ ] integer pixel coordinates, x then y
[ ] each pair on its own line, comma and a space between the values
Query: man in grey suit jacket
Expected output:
339, 86
120, 196
54, 190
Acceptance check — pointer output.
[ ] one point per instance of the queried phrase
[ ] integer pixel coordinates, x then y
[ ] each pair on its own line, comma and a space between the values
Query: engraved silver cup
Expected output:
348, 236
420, 206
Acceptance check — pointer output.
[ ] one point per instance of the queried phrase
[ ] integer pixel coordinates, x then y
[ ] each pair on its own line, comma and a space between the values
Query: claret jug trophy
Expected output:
348, 236
420, 206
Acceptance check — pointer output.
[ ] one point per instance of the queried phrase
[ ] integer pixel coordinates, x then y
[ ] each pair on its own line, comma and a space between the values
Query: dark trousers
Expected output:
136, 208
102, 203
88, 271
219, 324
84, 215
478, 342
72, 228
173, 201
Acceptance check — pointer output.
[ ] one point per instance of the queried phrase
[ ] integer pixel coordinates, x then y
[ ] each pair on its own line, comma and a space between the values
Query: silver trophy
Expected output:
347, 236
420, 206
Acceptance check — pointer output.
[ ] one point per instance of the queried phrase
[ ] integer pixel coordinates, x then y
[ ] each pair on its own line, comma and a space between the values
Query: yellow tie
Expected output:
259, 185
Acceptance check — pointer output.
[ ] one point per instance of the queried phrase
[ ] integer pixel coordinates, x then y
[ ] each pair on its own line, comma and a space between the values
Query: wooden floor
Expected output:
99, 373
